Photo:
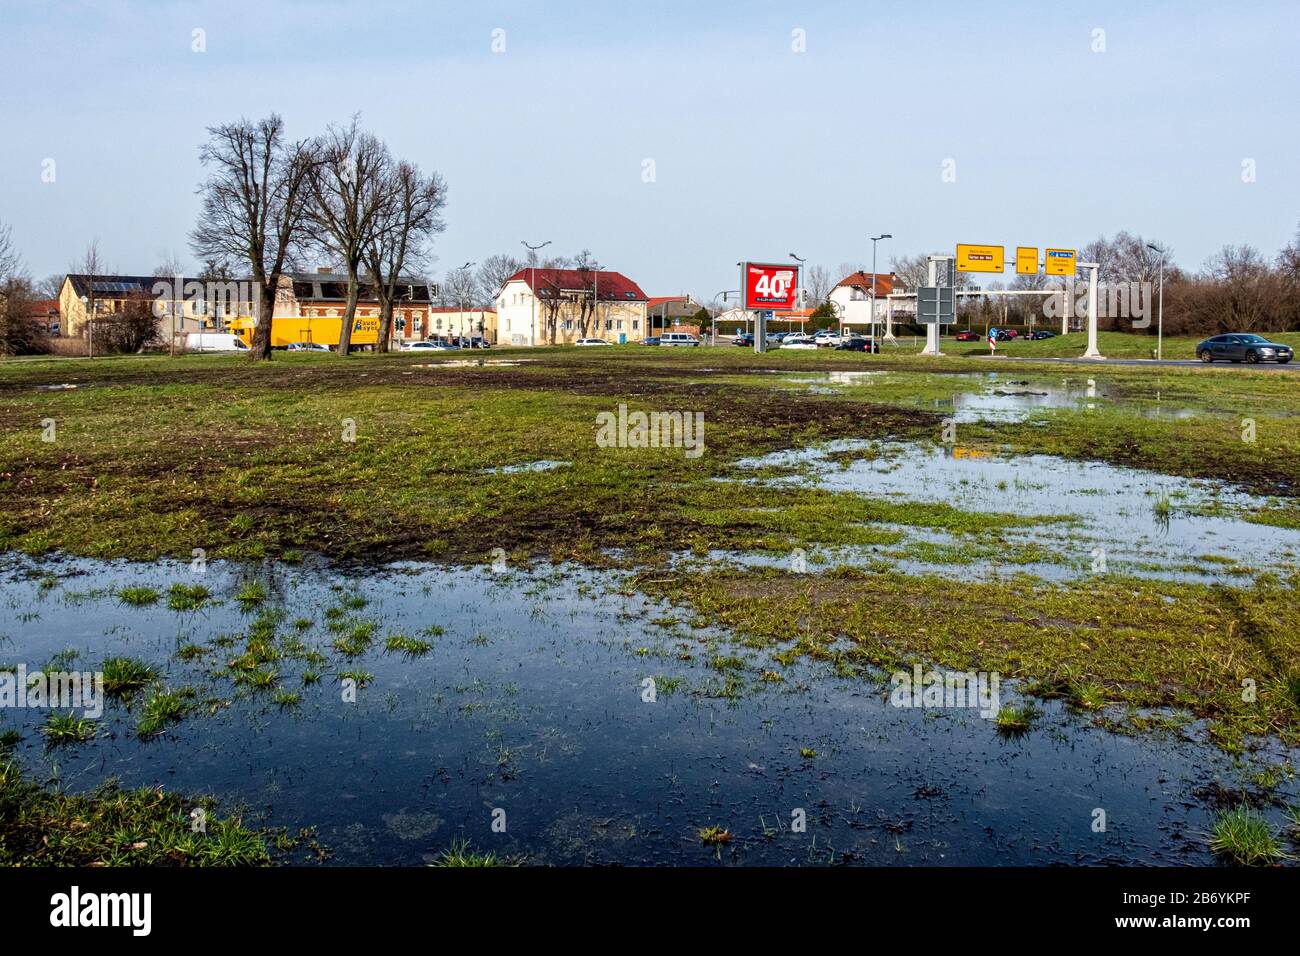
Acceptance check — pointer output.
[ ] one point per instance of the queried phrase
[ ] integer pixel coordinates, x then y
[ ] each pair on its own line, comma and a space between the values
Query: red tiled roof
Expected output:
655, 300
45, 307
610, 286
862, 280
455, 308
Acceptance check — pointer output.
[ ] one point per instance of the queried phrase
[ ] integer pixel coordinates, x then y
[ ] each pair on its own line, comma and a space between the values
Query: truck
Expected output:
323, 330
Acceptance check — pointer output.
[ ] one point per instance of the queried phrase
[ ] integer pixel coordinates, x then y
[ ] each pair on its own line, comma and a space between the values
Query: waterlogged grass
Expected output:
1134, 643
254, 460
410, 646
459, 854
115, 827
124, 676
187, 597
162, 708
67, 728
1013, 721
251, 594
138, 596
1242, 836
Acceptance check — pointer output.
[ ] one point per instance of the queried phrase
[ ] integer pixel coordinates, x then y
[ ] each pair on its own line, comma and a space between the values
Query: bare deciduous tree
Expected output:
254, 204
411, 214
493, 273
9, 258
90, 265
349, 191
820, 284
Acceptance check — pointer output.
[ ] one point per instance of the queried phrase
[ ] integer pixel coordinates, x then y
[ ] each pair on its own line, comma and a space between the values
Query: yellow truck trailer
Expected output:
323, 330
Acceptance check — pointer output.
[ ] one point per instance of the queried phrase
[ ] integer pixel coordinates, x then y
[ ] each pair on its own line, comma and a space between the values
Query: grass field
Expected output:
375, 458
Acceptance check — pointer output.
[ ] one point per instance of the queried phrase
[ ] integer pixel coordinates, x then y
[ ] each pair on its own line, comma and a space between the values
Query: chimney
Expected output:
323, 270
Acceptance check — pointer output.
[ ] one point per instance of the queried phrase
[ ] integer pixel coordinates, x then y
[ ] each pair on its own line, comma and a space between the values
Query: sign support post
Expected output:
1092, 268
932, 329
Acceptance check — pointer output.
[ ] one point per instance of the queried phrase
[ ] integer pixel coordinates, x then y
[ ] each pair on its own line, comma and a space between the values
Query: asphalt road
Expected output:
1078, 360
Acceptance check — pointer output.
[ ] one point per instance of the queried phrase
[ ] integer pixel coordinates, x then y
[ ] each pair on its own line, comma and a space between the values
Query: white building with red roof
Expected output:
537, 306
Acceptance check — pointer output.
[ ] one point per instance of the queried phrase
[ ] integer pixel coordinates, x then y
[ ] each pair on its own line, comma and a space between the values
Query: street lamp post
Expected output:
874, 240
1160, 309
801, 281
532, 284
713, 322
464, 269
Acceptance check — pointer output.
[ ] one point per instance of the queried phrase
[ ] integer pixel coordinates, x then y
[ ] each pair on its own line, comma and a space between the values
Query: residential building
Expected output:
537, 306
202, 306
189, 305
450, 321
852, 296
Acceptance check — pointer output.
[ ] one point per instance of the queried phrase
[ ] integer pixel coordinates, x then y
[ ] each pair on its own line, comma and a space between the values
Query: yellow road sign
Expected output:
1059, 262
1027, 260
980, 258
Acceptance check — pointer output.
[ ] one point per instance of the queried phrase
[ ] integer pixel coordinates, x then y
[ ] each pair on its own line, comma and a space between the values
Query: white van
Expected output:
214, 342
678, 338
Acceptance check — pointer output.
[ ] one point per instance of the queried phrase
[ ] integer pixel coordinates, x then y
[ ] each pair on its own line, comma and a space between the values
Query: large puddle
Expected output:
1117, 519
532, 700
997, 396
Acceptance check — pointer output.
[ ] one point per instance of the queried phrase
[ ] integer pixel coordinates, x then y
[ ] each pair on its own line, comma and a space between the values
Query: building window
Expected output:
636, 324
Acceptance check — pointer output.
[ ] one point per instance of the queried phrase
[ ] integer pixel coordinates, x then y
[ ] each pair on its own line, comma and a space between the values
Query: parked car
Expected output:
214, 342
423, 346
650, 340
1043, 334
307, 347
585, 342
828, 338
1005, 335
1243, 346
777, 337
799, 341
968, 335
678, 338
858, 343
743, 339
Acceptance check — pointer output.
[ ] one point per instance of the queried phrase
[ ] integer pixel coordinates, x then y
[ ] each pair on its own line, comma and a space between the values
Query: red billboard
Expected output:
768, 286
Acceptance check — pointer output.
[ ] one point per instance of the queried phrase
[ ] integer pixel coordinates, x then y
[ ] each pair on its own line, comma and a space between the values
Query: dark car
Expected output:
968, 335
858, 343
650, 340
1243, 347
746, 338
1043, 334
1006, 335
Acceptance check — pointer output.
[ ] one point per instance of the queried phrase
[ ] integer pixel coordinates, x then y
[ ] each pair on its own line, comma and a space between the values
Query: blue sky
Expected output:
758, 150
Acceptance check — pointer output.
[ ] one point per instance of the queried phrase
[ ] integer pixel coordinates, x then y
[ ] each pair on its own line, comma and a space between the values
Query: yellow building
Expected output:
181, 305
